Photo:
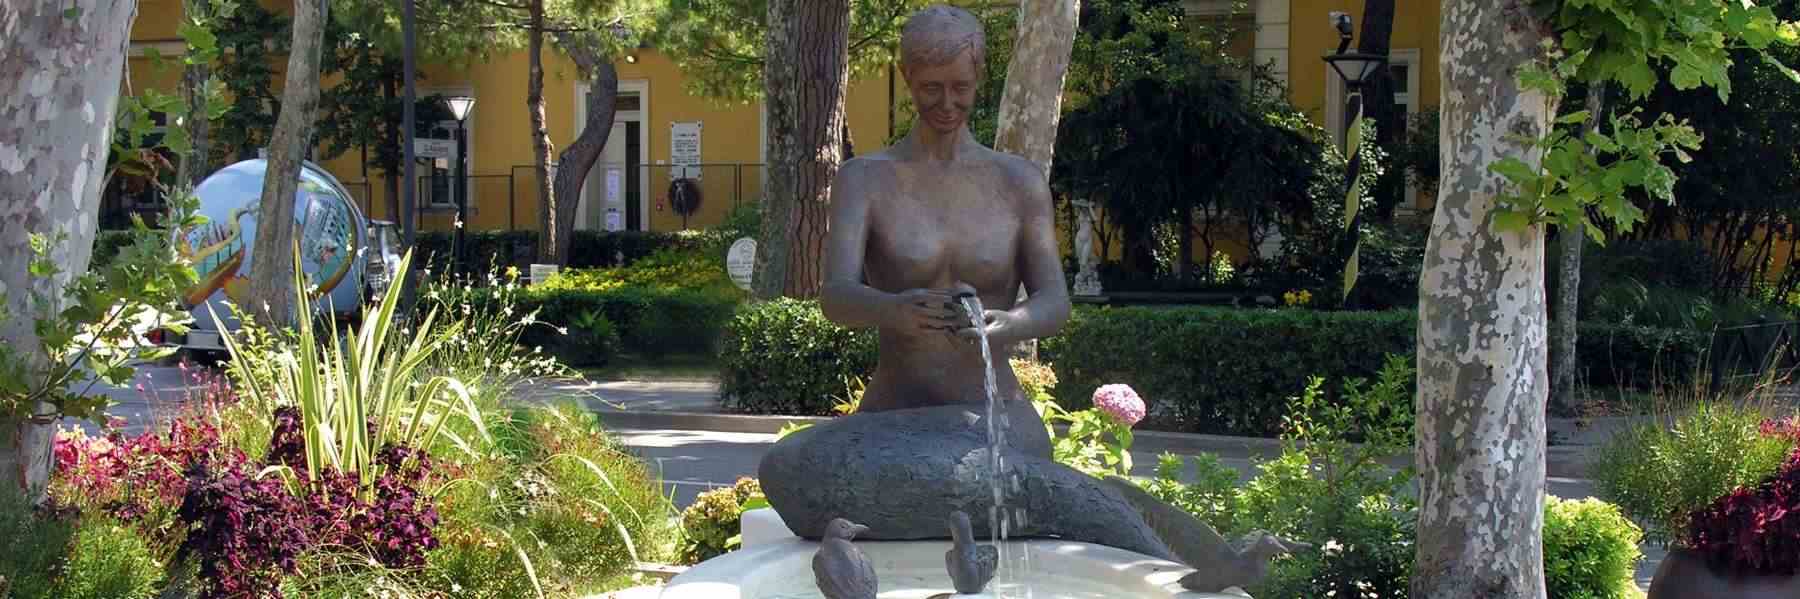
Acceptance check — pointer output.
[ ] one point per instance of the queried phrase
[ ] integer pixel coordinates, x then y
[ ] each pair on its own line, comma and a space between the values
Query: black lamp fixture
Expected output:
459, 108
1353, 67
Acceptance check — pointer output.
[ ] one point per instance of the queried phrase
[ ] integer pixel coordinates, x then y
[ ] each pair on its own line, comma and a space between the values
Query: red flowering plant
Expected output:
1753, 530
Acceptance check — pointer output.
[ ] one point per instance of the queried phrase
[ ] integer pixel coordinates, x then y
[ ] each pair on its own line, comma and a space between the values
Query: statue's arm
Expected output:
845, 296
1046, 307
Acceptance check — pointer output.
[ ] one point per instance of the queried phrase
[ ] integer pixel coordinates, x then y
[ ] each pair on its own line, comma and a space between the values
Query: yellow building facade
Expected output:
662, 130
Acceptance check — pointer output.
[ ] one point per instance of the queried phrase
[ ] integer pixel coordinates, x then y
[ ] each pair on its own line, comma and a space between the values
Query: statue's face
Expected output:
944, 94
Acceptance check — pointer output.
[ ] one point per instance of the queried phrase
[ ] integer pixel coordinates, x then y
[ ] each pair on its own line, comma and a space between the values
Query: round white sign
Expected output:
741, 261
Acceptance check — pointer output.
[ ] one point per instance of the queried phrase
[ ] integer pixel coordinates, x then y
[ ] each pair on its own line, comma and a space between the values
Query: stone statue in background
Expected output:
1087, 280
911, 227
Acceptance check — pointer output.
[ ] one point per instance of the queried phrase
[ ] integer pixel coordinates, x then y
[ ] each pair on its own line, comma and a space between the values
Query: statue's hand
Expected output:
926, 309
999, 322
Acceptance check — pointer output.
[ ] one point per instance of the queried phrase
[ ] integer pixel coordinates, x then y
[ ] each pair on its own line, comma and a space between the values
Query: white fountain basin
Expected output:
769, 568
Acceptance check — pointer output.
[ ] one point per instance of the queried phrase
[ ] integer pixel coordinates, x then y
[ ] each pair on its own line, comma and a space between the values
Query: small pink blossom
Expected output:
1120, 402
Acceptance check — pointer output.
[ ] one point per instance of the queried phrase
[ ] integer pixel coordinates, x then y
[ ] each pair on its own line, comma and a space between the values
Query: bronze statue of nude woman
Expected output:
911, 227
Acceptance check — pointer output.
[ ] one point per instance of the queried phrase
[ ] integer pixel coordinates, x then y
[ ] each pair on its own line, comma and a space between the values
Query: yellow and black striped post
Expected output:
1352, 193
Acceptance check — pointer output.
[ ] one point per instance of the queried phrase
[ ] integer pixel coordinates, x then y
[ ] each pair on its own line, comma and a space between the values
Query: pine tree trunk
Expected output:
548, 223
580, 155
271, 261
390, 173
59, 89
1568, 285
193, 166
1481, 339
805, 76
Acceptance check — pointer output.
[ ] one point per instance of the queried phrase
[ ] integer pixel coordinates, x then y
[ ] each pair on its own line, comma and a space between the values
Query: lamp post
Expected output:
1354, 68
459, 108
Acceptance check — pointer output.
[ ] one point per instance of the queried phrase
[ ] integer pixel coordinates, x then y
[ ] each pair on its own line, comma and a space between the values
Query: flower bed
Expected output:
381, 464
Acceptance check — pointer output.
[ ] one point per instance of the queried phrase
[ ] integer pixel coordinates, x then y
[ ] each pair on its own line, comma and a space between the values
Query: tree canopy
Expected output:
719, 44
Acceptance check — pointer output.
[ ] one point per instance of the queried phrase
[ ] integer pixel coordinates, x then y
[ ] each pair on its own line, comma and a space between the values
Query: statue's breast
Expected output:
934, 232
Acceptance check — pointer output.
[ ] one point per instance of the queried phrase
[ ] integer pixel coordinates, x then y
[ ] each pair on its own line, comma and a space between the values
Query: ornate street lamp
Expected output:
1355, 68
459, 108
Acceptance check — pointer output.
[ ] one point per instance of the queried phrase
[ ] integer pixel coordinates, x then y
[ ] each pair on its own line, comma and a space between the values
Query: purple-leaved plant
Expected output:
1753, 530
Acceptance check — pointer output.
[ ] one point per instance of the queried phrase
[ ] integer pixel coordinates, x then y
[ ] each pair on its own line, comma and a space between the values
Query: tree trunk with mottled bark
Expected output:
1482, 383
1568, 287
541, 149
580, 155
192, 167
271, 262
1031, 104
805, 76
59, 89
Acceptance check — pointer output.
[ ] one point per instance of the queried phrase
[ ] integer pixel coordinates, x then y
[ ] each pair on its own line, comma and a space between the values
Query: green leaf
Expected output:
1638, 79
198, 38
1514, 170
1508, 220
176, 138
1573, 118
1684, 76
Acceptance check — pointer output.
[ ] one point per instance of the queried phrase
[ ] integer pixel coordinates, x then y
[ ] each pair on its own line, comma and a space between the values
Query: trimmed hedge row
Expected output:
588, 249
650, 322
1210, 370
1216, 370
784, 357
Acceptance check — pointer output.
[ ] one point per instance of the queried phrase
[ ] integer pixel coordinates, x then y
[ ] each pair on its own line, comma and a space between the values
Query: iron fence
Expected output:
644, 196
1753, 350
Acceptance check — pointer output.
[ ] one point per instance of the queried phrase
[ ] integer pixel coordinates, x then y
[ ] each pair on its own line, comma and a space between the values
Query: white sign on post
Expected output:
741, 262
426, 147
684, 150
612, 186
613, 222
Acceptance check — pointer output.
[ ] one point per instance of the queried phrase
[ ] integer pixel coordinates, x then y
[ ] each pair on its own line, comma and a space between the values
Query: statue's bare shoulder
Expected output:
1027, 184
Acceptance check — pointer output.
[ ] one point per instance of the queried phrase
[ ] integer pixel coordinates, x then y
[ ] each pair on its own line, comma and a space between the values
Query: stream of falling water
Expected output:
999, 518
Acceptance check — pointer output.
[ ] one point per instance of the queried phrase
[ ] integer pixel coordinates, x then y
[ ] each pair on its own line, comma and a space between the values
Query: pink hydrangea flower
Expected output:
1120, 402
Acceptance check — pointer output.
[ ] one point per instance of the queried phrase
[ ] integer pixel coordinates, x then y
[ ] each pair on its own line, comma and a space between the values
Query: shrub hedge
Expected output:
588, 249
784, 357
1219, 370
652, 322
1202, 369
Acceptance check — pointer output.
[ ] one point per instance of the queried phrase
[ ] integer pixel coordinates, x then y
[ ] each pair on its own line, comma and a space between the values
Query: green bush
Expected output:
710, 527
592, 341
1218, 370
1590, 550
647, 321
1639, 356
784, 357
1200, 369
1660, 475
1324, 490
35, 546
107, 245
587, 249
109, 561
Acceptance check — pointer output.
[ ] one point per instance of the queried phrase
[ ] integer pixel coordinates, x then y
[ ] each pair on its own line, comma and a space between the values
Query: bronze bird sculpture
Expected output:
971, 565
840, 569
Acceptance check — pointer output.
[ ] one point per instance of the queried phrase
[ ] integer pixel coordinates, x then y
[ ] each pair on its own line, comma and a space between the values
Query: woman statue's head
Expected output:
943, 56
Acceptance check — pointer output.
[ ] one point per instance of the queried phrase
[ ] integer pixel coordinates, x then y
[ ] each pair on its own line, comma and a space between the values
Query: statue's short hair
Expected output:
938, 34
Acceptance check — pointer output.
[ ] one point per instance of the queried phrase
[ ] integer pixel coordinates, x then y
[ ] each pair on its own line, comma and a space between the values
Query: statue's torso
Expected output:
936, 225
